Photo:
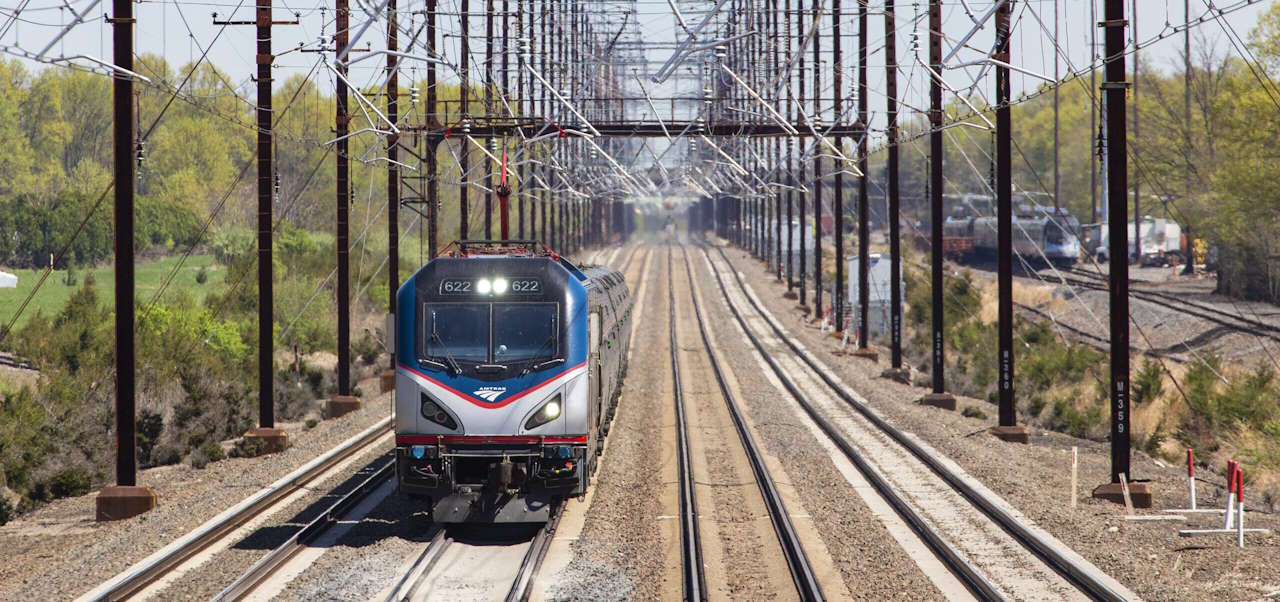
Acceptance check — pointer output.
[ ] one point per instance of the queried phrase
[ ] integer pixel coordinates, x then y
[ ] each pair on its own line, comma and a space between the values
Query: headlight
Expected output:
548, 412
499, 286
431, 410
483, 286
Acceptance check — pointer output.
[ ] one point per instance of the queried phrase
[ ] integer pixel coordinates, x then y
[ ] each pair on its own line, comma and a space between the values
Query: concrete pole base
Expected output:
867, 353
1013, 434
1139, 493
119, 502
273, 439
902, 375
939, 400
387, 380
341, 405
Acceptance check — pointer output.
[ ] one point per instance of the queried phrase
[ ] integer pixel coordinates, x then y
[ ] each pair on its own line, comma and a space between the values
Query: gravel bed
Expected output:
211, 577
857, 541
1150, 558
744, 558
59, 551
621, 553
368, 558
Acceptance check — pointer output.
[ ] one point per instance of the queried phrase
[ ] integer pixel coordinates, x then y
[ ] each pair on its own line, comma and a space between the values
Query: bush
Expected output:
149, 427
1149, 384
202, 276
248, 448
973, 412
68, 482
6, 510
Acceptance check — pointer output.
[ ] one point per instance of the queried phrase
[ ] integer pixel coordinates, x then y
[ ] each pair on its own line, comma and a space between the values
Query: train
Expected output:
509, 364
1040, 235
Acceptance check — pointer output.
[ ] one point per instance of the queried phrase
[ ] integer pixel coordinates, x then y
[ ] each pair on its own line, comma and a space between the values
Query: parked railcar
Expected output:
1038, 239
509, 364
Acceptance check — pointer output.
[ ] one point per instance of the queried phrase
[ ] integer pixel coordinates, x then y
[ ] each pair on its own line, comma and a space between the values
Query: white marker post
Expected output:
1231, 494
1075, 468
1240, 496
1191, 477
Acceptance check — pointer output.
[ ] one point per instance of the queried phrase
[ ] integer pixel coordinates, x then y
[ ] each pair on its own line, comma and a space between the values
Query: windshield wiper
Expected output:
457, 370
541, 365
551, 339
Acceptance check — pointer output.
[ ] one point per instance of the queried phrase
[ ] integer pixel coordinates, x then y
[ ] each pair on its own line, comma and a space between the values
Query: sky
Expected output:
180, 30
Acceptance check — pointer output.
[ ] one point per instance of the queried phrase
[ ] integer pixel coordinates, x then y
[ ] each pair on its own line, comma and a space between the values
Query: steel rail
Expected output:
1192, 308
1073, 572
802, 573
955, 562
413, 579
695, 584
532, 563
136, 579
269, 564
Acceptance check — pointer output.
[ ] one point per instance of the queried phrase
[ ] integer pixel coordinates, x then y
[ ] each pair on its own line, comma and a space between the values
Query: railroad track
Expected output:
222, 528
693, 579
443, 553
1074, 570
1193, 308
802, 572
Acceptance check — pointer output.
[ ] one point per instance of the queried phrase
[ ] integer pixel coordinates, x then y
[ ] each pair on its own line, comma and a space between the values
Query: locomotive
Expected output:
509, 362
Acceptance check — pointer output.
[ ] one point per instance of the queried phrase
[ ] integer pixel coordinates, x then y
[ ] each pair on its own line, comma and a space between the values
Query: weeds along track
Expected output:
989, 547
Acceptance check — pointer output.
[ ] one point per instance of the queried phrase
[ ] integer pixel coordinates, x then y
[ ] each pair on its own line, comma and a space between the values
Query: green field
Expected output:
150, 276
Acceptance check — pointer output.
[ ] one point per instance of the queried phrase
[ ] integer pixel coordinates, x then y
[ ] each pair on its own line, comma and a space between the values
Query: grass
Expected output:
150, 275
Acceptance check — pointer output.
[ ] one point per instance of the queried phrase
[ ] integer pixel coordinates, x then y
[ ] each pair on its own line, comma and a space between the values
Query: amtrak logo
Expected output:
490, 394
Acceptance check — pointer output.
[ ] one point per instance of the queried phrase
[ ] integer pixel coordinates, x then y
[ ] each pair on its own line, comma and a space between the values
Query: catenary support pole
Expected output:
837, 92
433, 145
270, 438
864, 231
896, 370
817, 167
1008, 428
1114, 89
388, 377
344, 402
938, 396
126, 498
464, 106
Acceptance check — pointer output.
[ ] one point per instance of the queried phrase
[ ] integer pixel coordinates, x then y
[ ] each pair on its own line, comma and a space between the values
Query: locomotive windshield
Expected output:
457, 332
524, 331
497, 334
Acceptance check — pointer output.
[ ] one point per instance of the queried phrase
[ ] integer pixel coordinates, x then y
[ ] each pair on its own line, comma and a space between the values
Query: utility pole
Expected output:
864, 229
488, 112
126, 498
273, 439
1008, 428
1186, 132
1137, 182
777, 142
1057, 180
837, 81
801, 195
464, 97
895, 370
344, 402
791, 174
938, 396
1093, 118
433, 144
817, 167
1117, 179
388, 377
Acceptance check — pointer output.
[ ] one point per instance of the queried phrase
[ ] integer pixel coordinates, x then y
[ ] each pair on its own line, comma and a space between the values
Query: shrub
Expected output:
202, 276
248, 448
973, 412
149, 426
6, 510
68, 482
1149, 384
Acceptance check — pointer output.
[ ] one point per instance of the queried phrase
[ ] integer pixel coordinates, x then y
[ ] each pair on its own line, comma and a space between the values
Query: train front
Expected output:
491, 386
